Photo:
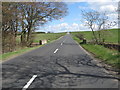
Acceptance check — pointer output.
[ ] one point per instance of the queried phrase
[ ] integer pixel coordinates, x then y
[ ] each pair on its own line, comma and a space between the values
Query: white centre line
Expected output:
56, 50
64, 40
28, 83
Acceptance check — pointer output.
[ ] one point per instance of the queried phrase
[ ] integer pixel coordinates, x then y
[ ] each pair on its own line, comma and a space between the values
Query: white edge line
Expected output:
28, 83
64, 40
56, 50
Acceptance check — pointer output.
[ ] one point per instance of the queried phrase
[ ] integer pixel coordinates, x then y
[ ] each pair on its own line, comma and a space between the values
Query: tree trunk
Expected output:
23, 35
23, 38
99, 36
94, 36
29, 35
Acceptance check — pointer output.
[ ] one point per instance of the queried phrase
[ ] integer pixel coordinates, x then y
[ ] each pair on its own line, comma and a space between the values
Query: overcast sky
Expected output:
72, 22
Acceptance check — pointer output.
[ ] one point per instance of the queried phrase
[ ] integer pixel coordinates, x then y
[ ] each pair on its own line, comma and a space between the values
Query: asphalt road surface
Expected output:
60, 64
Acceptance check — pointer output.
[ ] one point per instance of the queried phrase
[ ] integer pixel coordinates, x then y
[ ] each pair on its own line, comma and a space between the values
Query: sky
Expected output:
72, 22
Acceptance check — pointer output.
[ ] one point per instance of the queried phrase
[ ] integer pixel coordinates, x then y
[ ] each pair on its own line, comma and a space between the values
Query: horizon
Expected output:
76, 31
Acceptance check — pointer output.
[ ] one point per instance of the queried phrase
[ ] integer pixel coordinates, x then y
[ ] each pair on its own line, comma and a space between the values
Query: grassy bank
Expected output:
49, 37
13, 54
109, 56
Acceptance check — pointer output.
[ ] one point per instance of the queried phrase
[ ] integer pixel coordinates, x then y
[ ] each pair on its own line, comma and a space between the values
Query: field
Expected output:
49, 37
109, 56
111, 36
41, 36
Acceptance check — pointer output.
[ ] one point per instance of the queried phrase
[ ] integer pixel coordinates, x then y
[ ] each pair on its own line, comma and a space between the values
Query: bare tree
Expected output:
90, 18
100, 22
97, 21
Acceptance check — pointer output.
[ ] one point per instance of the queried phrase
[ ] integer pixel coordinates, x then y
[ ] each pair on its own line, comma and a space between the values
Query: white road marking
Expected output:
28, 83
64, 40
56, 50
61, 43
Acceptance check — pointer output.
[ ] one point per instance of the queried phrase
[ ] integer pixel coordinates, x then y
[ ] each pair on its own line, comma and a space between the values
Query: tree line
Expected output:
23, 18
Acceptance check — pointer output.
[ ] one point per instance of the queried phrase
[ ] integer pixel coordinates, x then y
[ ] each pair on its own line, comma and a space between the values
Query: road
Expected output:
60, 64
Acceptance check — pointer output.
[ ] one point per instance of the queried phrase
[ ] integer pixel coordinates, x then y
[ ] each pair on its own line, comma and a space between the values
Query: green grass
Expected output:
49, 37
111, 36
8, 55
109, 56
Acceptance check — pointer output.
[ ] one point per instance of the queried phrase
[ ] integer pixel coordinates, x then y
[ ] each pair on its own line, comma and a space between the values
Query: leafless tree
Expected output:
90, 18
97, 21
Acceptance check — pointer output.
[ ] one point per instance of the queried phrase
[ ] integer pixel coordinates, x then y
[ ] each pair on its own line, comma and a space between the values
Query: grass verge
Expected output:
13, 54
109, 56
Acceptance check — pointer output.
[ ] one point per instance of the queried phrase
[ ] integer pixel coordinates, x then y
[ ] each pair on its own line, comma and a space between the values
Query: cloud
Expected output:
110, 8
64, 27
103, 6
75, 25
113, 16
